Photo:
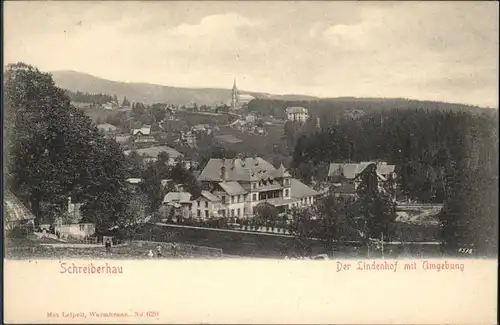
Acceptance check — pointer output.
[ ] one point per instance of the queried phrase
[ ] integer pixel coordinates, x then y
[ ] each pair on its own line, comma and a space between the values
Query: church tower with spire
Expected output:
235, 102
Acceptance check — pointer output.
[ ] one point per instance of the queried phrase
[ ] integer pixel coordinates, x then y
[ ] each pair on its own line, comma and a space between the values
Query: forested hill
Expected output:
449, 157
150, 93
335, 107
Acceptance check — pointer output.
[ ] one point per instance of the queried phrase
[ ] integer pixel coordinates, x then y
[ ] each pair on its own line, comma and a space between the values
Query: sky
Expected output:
445, 51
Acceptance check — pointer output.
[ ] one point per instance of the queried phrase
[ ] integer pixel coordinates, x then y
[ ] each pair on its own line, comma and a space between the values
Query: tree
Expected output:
151, 186
134, 164
302, 228
159, 111
134, 216
181, 175
53, 150
125, 102
44, 136
105, 195
332, 213
138, 109
373, 208
266, 213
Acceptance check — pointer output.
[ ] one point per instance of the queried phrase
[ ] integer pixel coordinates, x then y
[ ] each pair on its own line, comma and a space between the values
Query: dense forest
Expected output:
449, 157
96, 99
329, 109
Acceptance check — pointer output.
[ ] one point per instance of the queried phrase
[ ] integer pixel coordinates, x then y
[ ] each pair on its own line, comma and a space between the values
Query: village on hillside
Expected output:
230, 180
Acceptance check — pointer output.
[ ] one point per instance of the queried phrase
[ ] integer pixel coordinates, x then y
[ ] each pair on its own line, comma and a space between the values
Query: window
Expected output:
206, 204
232, 212
223, 212
232, 199
198, 202
245, 211
286, 192
198, 213
206, 214
254, 186
254, 197
82, 227
224, 199
239, 212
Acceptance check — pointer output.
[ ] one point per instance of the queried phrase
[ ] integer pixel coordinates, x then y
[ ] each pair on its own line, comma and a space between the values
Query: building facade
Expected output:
345, 176
242, 184
206, 206
297, 114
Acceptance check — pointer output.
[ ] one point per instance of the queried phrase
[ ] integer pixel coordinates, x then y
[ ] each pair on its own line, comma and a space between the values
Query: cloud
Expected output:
445, 50
437, 49
213, 25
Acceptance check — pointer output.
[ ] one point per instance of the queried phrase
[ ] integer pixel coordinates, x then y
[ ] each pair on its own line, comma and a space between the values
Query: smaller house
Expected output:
345, 176
143, 131
73, 227
251, 118
151, 154
122, 139
145, 139
106, 127
206, 206
180, 202
133, 184
75, 230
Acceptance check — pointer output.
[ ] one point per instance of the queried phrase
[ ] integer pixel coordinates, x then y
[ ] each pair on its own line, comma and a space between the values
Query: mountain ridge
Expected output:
149, 93
153, 93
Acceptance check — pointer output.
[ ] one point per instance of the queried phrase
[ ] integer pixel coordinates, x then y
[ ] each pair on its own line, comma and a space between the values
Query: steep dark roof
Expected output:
300, 190
15, 209
238, 170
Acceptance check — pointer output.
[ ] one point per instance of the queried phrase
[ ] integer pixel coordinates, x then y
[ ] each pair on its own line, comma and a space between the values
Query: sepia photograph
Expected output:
360, 134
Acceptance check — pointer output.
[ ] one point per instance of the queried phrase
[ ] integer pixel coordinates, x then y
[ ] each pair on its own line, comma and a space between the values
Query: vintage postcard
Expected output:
250, 162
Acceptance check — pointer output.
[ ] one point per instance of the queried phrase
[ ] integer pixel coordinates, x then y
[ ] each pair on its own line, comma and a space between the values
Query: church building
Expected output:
239, 101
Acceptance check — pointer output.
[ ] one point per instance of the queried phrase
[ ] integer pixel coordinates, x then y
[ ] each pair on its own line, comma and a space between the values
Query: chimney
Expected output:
223, 173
